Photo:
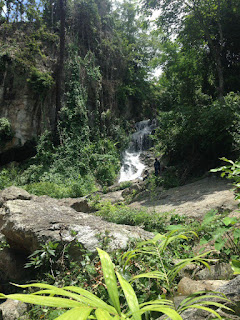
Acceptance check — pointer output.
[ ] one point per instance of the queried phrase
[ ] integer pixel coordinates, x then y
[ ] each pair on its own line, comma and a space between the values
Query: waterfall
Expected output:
132, 167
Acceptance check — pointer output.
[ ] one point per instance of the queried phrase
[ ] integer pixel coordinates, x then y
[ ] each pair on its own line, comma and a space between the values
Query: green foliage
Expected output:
63, 189
40, 82
223, 231
8, 176
81, 303
43, 257
235, 264
5, 131
158, 247
121, 214
188, 139
231, 171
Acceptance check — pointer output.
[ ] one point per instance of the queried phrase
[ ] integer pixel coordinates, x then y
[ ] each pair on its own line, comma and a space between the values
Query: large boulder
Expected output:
27, 222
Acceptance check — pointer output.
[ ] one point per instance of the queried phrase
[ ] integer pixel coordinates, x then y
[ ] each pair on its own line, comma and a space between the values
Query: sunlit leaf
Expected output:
110, 278
130, 297
235, 264
81, 313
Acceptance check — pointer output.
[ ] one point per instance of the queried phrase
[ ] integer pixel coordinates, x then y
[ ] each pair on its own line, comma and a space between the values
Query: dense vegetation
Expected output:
96, 59
102, 81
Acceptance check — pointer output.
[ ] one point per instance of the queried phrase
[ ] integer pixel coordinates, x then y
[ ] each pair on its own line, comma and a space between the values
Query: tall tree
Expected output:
209, 19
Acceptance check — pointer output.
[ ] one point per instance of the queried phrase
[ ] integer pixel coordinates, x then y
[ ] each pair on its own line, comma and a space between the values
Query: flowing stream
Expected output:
132, 167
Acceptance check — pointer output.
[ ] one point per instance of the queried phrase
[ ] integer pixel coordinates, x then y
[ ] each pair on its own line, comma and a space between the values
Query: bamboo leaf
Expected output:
103, 315
130, 297
110, 278
45, 301
96, 302
171, 313
198, 297
164, 302
206, 309
81, 313
150, 275
209, 303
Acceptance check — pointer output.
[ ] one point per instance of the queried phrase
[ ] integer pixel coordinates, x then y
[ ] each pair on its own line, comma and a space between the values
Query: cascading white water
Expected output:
132, 167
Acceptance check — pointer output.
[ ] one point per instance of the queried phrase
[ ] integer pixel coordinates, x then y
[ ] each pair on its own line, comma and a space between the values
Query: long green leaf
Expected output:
81, 313
130, 297
165, 302
110, 279
150, 275
65, 293
209, 303
44, 301
103, 315
52, 290
96, 302
171, 313
195, 306
199, 296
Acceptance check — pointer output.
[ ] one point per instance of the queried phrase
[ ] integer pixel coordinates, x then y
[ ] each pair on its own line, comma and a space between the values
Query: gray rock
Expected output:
232, 289
219, 271
11, 265
13, 193
232, 292
188, 286
78, 204
133, 190
12, 310
28, 223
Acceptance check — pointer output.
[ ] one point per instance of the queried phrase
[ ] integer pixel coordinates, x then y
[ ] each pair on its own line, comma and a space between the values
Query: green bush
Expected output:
9, 176
121, 214
39, 81
5, 131
62, 188
189, 140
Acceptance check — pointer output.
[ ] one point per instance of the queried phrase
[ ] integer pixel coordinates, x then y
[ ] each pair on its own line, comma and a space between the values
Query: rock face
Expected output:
28, 114
12, 310
192, 200
188, 286
219, 271
232, 292
27, 221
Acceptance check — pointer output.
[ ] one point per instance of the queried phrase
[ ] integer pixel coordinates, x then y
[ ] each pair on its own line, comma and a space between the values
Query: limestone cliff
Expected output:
27, 93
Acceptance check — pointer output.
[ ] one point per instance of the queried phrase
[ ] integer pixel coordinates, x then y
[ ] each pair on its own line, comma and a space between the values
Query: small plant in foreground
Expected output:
223, 231
84, 305
231, 171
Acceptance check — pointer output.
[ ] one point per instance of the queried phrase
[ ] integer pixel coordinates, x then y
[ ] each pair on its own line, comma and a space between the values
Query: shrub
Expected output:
40, 82
5, 131
121, 214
